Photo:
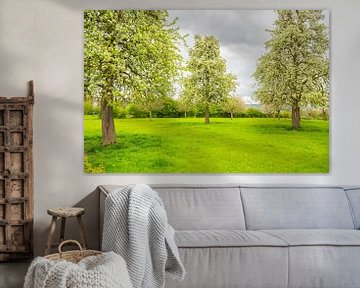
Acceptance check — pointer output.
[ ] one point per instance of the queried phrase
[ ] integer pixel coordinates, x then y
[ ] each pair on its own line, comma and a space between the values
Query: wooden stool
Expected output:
64, 213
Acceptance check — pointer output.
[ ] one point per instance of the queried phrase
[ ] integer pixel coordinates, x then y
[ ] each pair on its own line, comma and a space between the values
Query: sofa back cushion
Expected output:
202, 207
354, 198
296, 208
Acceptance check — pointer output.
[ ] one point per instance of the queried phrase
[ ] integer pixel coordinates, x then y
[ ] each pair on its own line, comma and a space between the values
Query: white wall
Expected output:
42, 40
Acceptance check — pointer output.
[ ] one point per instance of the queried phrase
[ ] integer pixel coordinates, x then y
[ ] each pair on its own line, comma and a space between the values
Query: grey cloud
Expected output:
241, 34
229, 26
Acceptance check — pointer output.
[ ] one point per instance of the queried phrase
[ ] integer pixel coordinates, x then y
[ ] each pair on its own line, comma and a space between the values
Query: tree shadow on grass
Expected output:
141, 140
198, 123
286, 128
123, 141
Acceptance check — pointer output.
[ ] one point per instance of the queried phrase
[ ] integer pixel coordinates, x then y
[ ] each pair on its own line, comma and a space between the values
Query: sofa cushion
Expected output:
317, 237
204, 208
296, 208
322, 258
224, 267
354, 198
226, 238
324, 266
191, 207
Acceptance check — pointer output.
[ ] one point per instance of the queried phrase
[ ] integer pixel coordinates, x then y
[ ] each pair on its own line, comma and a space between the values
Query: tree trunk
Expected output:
185, 114
108, 126
295, 115
278, 114
207, 115
324, 114
232, 115
150, 115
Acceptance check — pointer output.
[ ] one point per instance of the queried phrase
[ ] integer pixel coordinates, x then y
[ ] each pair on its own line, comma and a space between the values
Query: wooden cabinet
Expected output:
16, 177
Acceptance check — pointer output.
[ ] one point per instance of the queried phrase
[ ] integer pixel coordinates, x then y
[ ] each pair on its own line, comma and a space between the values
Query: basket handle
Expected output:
69, 241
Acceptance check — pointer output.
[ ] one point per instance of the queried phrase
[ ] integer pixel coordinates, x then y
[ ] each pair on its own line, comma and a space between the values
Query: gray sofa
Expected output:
243, 236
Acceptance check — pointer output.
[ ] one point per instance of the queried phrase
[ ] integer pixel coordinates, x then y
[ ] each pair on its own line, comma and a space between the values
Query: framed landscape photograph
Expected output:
206, 91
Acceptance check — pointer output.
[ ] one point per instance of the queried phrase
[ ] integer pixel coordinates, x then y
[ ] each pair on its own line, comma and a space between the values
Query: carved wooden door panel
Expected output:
16, 177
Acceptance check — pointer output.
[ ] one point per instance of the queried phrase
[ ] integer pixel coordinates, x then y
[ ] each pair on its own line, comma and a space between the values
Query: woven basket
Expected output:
72, 256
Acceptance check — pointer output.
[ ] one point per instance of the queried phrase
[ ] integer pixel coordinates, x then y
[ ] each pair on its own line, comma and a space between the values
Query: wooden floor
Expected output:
12, 274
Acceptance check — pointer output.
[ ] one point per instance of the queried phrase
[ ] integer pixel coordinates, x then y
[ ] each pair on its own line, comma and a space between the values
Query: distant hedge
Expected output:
171, 110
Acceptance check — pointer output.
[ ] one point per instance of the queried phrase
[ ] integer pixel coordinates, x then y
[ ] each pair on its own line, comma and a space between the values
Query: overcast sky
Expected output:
241, 34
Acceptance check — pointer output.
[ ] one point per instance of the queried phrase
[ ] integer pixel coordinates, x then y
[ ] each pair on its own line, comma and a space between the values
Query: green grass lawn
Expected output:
242, 145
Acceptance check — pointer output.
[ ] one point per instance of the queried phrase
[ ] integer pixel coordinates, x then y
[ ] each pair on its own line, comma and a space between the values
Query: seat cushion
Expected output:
233, 258
223, 267
324, 266
225, 238
317, 237
322, 258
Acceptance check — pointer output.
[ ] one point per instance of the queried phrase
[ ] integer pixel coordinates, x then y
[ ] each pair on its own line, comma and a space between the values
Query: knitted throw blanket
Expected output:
136, 227
103, 271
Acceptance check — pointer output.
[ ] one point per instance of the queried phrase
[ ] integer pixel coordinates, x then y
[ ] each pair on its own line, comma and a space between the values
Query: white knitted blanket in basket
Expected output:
136, 227
107, 270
